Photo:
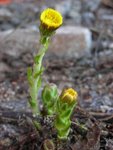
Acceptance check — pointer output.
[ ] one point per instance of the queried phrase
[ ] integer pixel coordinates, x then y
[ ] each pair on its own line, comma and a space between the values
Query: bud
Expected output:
49, 97
65, 106
68, 96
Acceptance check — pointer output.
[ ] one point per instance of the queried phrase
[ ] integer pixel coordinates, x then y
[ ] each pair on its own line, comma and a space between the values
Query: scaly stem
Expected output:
34, 76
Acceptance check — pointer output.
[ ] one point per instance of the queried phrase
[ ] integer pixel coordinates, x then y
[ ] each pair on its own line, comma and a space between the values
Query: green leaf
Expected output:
32, 104
29, 76
39, 73
37, 58
63, 134
29, 72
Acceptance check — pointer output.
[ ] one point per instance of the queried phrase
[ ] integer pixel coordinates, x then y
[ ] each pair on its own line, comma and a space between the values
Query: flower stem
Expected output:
34, 76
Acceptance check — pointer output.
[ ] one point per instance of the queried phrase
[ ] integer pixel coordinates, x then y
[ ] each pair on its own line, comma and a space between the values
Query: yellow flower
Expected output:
69, 96
51, 19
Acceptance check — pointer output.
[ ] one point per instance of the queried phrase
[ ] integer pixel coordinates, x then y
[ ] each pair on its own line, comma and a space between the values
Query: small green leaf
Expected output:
39, 73
29, 76
37, 58
32, 104
29, 72
36, 75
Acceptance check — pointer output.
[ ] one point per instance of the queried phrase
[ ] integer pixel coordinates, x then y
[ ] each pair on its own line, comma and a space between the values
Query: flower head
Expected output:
69, 96
51, 19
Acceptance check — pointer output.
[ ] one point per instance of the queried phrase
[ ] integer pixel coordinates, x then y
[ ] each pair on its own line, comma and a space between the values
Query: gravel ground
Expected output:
91, 76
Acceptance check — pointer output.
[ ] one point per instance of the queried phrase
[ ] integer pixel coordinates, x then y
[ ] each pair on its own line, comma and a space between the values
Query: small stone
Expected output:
88, 18
76, 17
111, 46
105, 14
5, 26
2, 76
109, 144
63, 7
76, 5
4, 67
48, 145
5, 142
5, 14
108, 3
91, 5
74, 13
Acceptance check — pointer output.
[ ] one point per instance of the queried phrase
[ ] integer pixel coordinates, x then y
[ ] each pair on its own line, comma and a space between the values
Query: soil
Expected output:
91, 76
17, 131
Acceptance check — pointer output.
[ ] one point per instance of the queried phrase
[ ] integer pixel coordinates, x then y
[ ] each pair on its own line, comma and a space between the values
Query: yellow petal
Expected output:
51, 19
69, 95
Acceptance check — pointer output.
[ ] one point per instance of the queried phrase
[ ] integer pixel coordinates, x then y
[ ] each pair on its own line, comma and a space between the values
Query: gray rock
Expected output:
91, 5
105, 14
108, 3
5, 26
76, 17
5, 14
64, 7
2, 76
88, 18
17, 42
76, 5
69, 41
4, 67
75, 11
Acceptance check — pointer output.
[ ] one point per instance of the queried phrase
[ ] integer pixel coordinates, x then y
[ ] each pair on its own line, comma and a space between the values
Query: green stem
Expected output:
35, 79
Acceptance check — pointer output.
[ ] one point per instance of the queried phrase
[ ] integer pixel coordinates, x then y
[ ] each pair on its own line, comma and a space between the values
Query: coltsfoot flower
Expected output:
65, 105
51, 19
69, 96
